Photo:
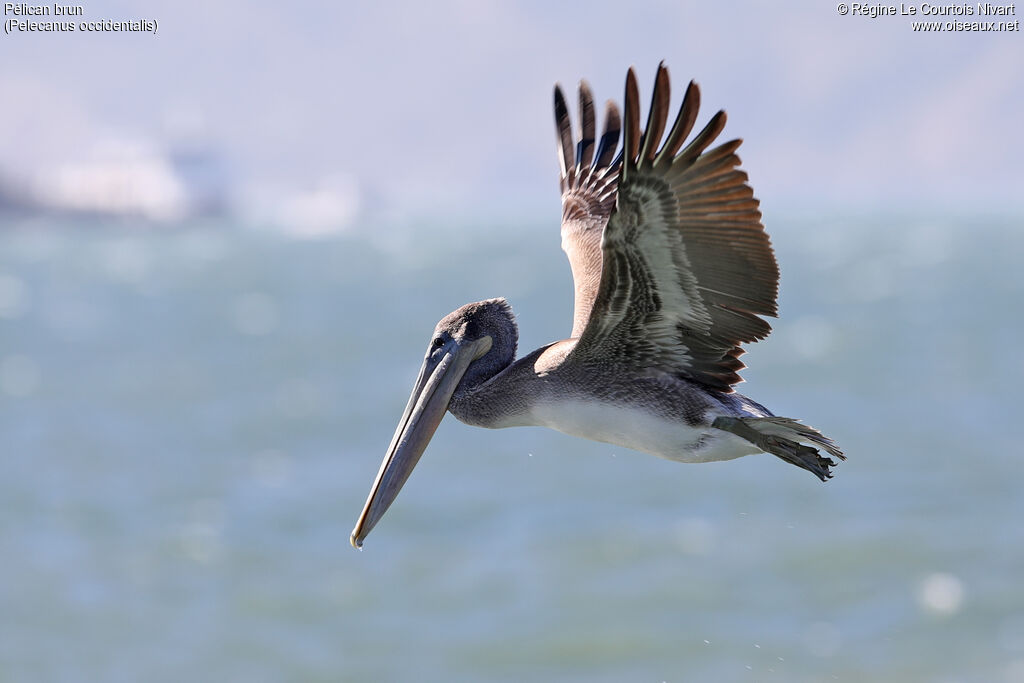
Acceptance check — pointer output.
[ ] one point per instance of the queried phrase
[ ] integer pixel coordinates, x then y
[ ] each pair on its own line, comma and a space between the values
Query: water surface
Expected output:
190, 421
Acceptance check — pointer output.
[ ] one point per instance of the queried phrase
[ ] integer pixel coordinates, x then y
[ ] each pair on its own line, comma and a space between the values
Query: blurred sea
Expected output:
190, 421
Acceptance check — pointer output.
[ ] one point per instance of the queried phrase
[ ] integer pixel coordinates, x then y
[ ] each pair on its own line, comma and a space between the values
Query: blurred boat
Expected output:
125, 179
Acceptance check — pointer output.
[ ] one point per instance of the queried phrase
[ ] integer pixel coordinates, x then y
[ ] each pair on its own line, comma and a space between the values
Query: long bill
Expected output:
427, 404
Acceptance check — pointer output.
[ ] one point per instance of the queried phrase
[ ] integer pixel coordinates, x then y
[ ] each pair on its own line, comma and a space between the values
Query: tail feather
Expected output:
785, 437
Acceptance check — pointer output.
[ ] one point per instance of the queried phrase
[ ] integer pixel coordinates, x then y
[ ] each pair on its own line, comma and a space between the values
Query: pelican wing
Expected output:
687, 266
588, 180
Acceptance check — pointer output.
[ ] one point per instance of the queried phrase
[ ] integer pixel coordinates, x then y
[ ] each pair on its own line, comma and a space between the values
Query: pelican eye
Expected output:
437, 343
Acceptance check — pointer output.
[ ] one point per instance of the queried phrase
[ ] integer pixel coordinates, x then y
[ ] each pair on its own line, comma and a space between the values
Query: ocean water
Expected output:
191, 418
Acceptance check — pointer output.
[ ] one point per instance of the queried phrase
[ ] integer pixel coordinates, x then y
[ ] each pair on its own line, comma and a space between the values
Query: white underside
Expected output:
642, 431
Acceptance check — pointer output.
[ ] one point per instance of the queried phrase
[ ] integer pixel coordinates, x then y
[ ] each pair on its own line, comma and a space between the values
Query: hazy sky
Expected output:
444, 108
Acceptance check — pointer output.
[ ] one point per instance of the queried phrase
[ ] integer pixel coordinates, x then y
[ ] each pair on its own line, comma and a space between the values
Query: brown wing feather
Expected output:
588, 180
688, 269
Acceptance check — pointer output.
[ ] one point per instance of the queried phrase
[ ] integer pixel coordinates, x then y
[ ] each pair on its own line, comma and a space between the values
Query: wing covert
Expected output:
687, 268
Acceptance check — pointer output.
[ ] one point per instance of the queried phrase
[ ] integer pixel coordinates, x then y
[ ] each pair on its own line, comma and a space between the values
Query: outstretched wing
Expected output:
588, 182
687, 266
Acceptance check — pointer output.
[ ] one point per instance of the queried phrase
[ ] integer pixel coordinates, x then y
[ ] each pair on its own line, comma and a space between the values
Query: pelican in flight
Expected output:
672, 271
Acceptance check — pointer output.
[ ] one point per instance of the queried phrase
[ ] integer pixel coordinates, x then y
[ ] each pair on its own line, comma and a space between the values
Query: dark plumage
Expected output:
673, 272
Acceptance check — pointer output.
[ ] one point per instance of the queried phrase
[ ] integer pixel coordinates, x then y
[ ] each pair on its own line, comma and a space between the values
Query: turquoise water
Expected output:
190, 421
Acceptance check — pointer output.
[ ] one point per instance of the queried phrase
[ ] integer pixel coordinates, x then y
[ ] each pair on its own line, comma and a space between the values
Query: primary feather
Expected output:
686, 268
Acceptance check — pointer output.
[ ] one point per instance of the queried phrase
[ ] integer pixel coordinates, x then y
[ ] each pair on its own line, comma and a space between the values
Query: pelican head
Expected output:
469, 346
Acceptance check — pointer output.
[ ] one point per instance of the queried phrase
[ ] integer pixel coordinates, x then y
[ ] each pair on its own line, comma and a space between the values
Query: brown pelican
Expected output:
672, 270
